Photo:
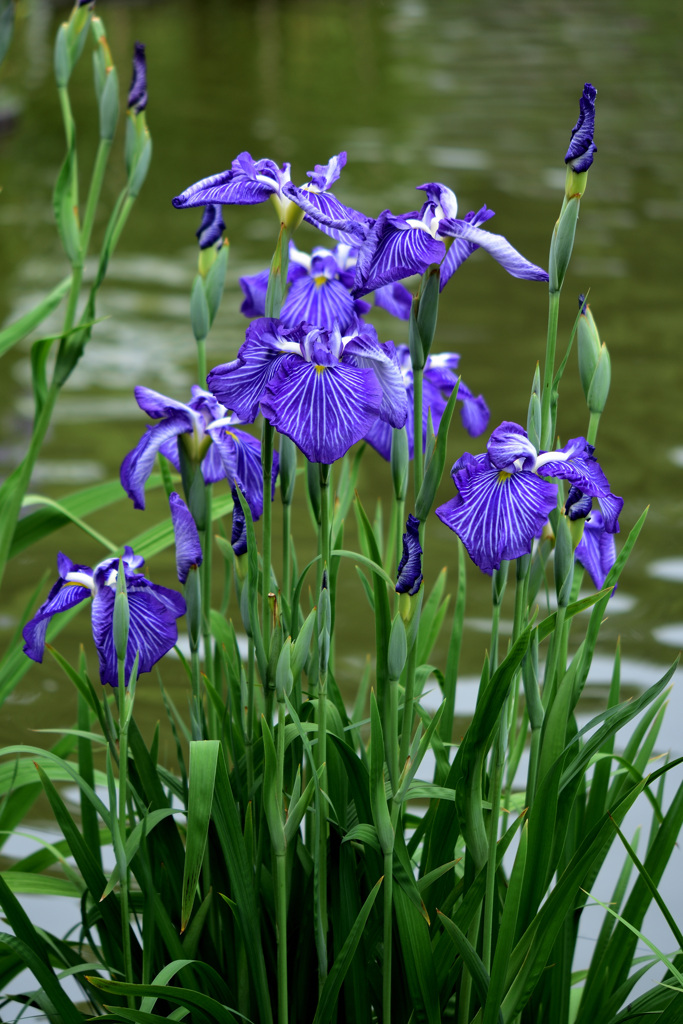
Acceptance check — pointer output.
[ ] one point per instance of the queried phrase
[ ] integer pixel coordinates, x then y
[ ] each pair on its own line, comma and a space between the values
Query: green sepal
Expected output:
62, 60
562, 244
378, 800
423, 315
324, 625
121, 624
534, 420
109, 105
302, 644
193, 600
199, 310
140, 167
65, 203
600, 382
400, 462
214, 282
284, 677
287, 468
588, 345
398, 649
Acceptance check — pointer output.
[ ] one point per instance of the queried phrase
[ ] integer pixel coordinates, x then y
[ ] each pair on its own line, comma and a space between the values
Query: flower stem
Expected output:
101, 160
418, 455
549, 371
281, 881
388, 921
267, 463
407, 723
593, 425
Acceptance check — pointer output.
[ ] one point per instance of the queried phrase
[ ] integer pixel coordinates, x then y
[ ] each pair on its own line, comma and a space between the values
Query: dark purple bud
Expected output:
137, 94
410, 567
578, 505
212, 227
238, 538
581, 146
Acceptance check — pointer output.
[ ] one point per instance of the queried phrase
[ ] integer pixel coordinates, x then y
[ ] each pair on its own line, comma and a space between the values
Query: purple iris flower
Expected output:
250, 181
137, 94
153, 612
188, 548
396, 246
320, 388
596, 551
438, 381
409, 573
581, 146
211, 438
503, 501
320, 287
211, 229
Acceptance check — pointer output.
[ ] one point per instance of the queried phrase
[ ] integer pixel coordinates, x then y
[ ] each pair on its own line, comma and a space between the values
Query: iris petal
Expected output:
393, 250
138, 464
596, 551
496, 246
364, 350
409, 572
239, 385
254, 288
496, 514
63, 595
509, 442
323, 409
321, 303
188, 548
240, 454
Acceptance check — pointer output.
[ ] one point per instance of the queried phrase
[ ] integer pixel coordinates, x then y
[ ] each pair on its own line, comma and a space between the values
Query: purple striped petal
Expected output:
238, 537
394, 250
364, 350
188, 548
323, 176
596, 551
474, 414
581, 146
324, 409
510, 442
319, 301
496, 514
326, 213
157, 405
496, 246
153, 629
379, 436
66, 593
439, 195
248, 181
138, 464
409, 572
576, 463
461, 249
240, 385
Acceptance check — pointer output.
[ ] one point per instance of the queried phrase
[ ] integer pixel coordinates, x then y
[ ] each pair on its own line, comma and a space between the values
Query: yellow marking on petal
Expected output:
320, 369
503, 476
229, 433
319, 280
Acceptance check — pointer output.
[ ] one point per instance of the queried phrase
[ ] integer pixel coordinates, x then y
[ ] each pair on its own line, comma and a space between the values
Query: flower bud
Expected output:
324, 625
398, 648
284, 678
423, 316
121, 621
199, 310
287, 469
533, 420
594, 361
562, 244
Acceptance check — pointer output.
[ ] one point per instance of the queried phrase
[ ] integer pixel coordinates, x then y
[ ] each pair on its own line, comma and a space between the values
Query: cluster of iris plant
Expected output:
314, 367
279, 800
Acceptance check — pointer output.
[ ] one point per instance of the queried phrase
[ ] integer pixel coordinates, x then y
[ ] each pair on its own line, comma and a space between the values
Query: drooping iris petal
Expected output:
576, 463
474, 413
324, 211
188, 548
578, 505
496, 246
395, 298
138, 464
212, 226
460, 248
596, 551
247, 181
254, 288
496, 514
440, 198
366, 351
137, 94
409, 571
74, 585
323, 176
581, 146
240, 454
394, 250
509, 442
324, 409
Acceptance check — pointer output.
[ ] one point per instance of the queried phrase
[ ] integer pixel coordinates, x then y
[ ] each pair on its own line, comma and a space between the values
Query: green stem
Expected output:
554, 660
418, 455
466, 985
549, 371
205, 577
281, 919
201, 360
249, 725
101, 160
497, 760
407, 724
287, 556
267, 463
122, 823
593, 425
388, 920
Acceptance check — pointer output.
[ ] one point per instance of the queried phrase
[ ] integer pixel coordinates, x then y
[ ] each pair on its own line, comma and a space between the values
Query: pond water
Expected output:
481, 97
